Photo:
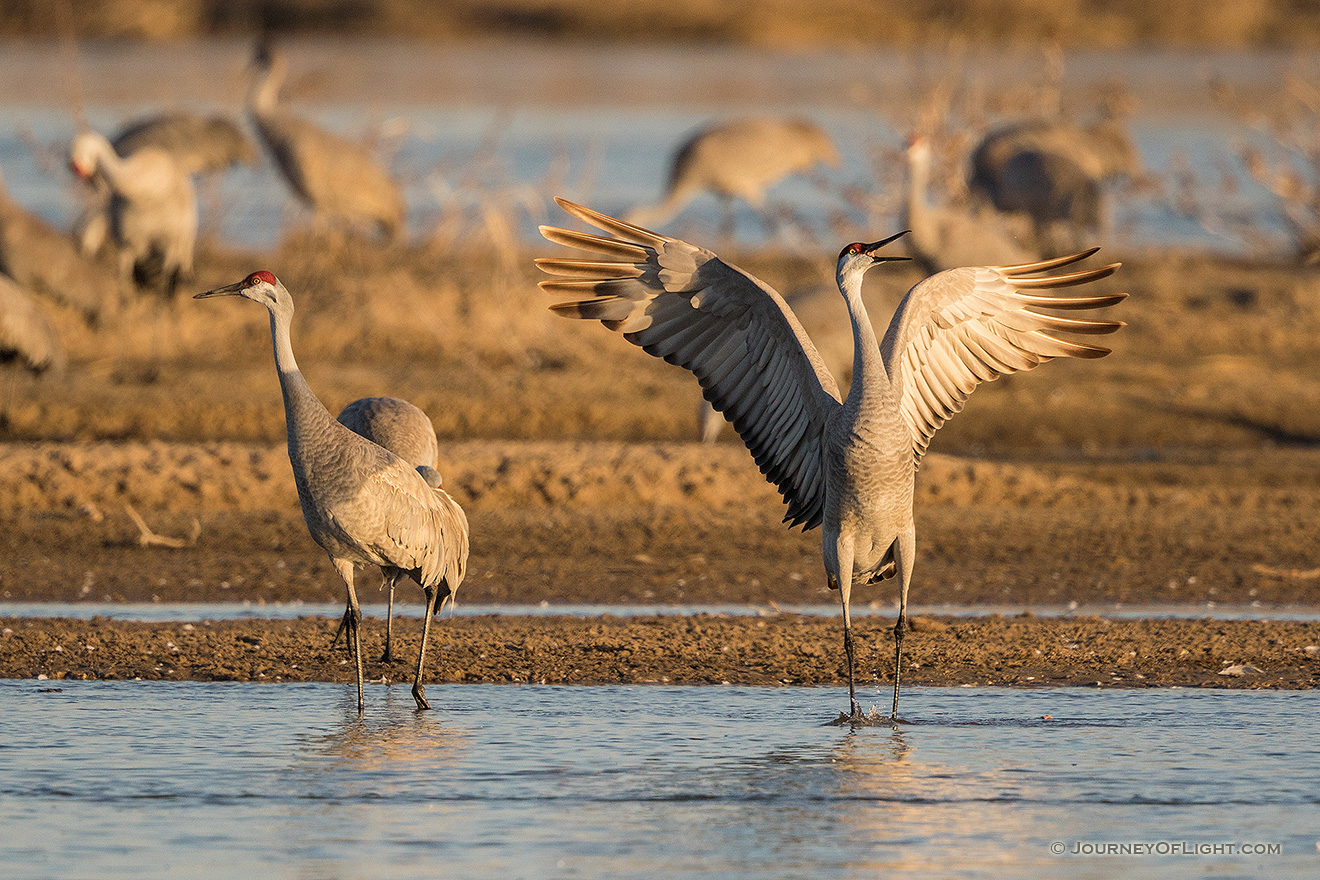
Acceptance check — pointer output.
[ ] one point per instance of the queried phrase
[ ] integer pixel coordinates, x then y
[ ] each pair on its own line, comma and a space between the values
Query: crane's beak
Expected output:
228, 290
871, 249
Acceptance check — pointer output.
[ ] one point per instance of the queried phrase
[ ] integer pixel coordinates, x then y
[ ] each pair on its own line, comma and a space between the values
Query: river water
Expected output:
166, 779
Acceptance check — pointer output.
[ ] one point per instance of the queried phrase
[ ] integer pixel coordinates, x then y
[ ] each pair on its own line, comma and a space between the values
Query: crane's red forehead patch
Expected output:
855, 248
255, 277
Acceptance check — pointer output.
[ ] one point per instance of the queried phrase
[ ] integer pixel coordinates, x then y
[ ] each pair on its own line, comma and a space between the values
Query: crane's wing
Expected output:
960, 328
754, 361
26, 334
425, 531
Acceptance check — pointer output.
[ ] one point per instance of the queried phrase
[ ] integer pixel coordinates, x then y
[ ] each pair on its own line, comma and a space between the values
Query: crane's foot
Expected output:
419, 694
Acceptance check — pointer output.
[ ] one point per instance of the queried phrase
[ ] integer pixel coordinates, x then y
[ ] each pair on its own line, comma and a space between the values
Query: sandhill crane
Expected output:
739, 159
848, 464
1053, 171
335, 177
362, 503
406, 431
197, 144
46, 261
26, 334
944, 237
153, 208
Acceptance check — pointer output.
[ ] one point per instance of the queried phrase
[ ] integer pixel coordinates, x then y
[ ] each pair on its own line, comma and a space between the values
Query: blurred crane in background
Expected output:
739, 159
336, 178
1054, 172
27, 337
46, 261
199, 145
152, 210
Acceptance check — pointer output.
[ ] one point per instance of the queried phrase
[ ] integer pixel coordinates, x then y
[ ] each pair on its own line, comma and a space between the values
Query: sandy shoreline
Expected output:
782, 649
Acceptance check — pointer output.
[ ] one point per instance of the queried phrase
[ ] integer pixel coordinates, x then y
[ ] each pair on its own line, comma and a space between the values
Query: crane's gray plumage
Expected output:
406, 431
739, 159
848, 464
1053, 172
362, 503
152, 210
335, 177
46, 261
26, 334
944, 237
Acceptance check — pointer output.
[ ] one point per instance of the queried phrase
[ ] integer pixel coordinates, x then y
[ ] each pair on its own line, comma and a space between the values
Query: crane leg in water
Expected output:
844, 554
353, 617
390, 580
418, 690
906, 552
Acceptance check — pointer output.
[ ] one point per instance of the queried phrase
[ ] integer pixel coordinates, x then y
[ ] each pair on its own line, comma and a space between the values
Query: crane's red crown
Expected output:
851, 250
255, 277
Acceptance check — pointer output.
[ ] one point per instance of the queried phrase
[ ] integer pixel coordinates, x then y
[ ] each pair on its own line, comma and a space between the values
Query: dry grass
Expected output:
1219, 353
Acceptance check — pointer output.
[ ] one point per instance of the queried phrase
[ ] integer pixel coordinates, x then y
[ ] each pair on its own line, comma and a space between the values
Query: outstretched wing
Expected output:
754, 361
960, 328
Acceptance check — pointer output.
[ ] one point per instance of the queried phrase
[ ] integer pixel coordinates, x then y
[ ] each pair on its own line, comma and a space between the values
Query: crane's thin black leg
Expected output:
418, 691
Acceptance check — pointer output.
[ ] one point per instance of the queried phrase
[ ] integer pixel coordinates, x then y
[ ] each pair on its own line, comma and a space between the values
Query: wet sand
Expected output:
776, 649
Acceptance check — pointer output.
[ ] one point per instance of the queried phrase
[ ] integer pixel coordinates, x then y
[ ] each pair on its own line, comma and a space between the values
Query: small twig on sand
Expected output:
148, 538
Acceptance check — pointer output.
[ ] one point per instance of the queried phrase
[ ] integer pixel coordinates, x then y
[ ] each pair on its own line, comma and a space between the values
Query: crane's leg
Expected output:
354, 618
844, 554
343, 624
418, 691
904, 557
391, 578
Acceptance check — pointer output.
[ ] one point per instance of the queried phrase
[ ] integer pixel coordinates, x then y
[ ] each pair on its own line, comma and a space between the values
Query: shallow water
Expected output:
155, 612
138, 779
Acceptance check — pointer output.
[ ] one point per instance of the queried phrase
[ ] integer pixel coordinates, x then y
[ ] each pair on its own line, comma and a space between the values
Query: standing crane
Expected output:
333, 176
362, 503
945, 237
406, 431
739, 159
847, 464
153, 209
199, 145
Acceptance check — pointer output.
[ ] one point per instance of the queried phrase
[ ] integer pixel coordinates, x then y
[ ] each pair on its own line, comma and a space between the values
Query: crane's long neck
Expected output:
918, 184
870, 380
304, 414
264, 98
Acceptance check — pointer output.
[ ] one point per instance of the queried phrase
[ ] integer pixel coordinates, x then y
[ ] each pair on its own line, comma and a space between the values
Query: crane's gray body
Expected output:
335, 177
361, 502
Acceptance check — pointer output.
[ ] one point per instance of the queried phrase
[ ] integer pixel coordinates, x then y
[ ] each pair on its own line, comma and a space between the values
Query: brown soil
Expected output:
777, 649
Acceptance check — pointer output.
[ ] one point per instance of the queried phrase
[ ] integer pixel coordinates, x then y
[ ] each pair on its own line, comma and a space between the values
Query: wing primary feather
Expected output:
1068, 280
612, 225
1045, 265
586, 241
